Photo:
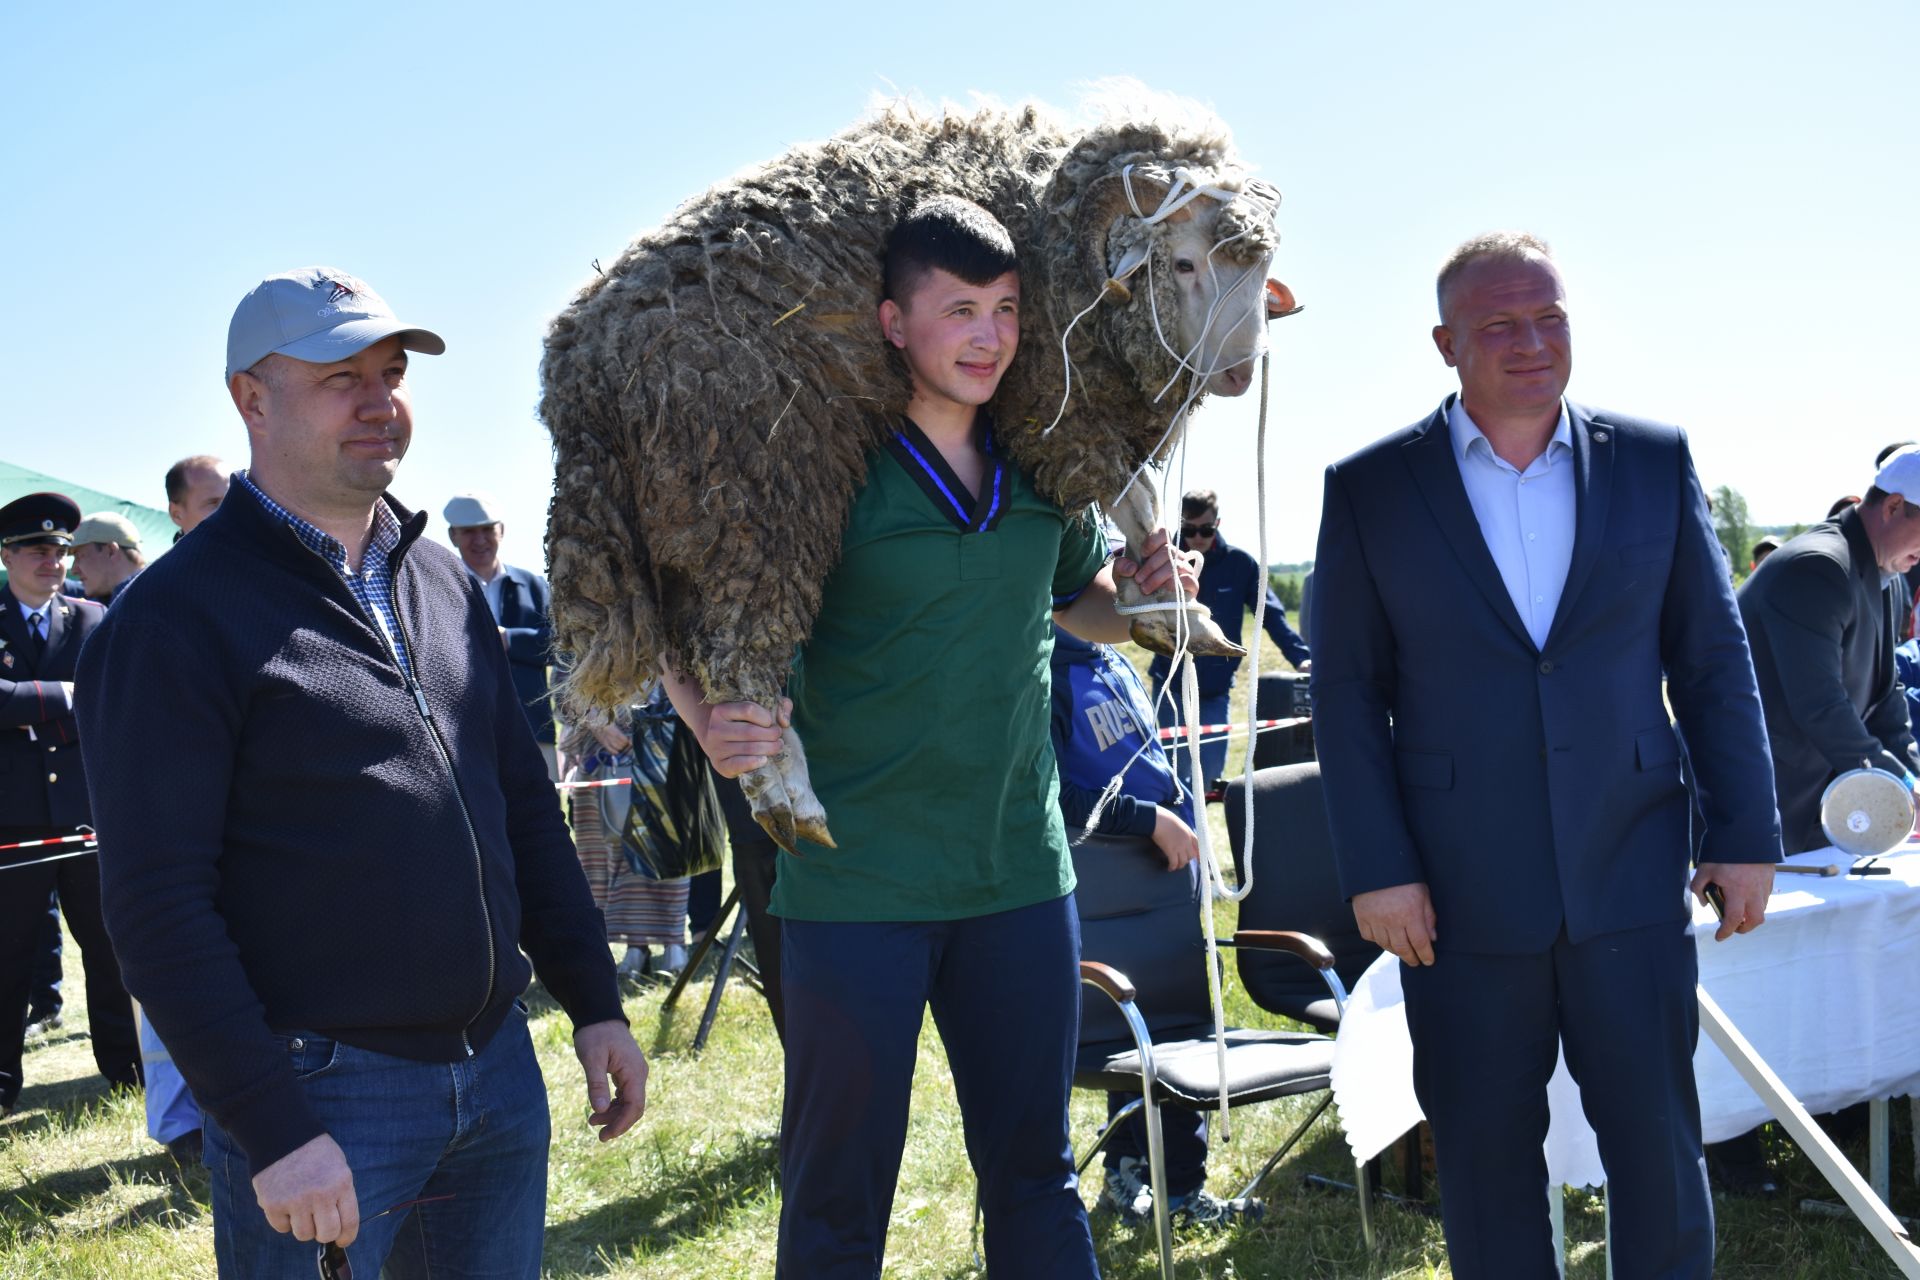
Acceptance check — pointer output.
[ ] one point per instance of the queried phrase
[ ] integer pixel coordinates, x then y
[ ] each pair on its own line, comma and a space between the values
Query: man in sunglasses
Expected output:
333, 883
1230, 585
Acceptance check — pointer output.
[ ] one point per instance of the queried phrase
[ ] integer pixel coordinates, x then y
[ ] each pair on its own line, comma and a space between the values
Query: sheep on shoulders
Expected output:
714, 393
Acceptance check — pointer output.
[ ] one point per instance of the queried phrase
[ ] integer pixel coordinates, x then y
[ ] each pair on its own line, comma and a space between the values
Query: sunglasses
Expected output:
333, 1259
1206, 530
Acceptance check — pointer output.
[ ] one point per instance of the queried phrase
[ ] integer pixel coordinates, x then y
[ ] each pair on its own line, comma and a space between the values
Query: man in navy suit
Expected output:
1501, 588
521, 603
43, 789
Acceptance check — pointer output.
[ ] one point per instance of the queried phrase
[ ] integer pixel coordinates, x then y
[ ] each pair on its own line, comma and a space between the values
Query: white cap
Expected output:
1901, 474
466, 509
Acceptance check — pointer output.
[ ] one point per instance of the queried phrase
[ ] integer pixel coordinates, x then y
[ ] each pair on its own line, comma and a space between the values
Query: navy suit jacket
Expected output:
42, 782
526, 605
1532, 787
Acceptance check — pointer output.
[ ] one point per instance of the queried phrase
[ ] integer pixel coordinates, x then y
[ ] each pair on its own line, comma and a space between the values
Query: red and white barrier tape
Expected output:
35, 844
1233, 730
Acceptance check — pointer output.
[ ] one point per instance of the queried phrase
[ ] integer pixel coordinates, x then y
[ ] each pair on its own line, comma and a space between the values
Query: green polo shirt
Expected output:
922, 696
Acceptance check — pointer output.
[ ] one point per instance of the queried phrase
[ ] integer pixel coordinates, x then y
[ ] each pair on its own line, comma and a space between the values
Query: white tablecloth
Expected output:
1827, 990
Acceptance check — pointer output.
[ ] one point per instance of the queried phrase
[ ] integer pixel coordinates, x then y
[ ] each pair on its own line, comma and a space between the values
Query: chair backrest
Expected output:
1143, 920
1295, 886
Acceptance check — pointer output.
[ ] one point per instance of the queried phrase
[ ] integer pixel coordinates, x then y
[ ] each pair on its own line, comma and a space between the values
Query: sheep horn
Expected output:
1105, 200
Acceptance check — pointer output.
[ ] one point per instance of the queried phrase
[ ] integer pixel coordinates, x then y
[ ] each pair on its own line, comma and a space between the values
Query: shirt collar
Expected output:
1464, 430
386, 526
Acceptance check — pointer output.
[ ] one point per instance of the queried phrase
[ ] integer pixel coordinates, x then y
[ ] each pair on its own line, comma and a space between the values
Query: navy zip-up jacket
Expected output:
1230, 585
296, 837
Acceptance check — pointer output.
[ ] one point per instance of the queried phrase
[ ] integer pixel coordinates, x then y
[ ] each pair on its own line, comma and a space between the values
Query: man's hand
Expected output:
1400, 919
607, 1049
1744, 885
309, 1191
1161, 561
742, 736
610, 737
1178, 844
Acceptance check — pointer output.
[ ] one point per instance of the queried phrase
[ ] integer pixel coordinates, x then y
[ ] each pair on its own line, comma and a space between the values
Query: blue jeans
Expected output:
1213, 755
1005, 992
475, 1129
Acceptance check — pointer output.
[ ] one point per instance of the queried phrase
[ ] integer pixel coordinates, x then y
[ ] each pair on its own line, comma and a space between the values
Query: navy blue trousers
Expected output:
1486, 1030
1005, 993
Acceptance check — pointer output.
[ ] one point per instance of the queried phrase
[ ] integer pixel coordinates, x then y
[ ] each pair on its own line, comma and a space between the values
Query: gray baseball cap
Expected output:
319, 315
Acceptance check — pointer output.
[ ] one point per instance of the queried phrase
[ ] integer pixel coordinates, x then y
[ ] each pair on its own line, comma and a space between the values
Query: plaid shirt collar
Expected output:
373, 585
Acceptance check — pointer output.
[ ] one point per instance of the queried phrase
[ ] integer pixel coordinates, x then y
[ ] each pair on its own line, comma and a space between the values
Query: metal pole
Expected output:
1886, 1230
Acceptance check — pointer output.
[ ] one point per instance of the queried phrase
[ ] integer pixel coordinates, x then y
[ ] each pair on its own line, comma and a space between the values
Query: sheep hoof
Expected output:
781, 796
1159, 633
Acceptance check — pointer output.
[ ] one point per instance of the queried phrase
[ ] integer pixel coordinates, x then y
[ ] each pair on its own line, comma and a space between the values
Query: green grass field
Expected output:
692, 1193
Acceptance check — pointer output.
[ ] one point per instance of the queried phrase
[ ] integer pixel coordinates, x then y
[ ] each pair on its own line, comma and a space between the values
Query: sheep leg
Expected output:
781, 797
1137, 513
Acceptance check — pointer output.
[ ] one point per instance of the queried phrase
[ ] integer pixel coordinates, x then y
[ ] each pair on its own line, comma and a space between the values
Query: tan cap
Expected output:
106, 526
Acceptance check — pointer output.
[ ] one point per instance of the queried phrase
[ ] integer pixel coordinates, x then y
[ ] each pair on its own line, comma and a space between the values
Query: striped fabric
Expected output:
638, 910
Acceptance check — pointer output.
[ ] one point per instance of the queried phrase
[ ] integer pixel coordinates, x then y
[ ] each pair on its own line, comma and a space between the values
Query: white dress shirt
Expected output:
493, 588
1526, 517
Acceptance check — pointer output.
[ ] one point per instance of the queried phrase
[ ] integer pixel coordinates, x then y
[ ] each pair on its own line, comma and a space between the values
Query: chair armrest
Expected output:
1108, 979
1310, 949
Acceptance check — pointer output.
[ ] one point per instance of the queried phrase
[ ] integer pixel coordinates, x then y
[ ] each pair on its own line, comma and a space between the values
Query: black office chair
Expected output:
1152, 1033
1296, 887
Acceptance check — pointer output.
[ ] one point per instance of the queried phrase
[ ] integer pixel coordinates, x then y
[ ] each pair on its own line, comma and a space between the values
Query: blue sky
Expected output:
1731, 190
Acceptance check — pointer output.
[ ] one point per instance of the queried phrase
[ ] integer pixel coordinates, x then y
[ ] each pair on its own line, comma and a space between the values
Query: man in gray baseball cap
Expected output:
346, 760
319, 315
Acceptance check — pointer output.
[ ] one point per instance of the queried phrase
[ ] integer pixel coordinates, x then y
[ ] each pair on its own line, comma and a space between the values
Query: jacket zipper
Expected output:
446, 758
466, 815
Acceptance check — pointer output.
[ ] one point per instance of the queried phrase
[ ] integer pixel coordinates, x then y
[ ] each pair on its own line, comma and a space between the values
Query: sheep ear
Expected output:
1280, 300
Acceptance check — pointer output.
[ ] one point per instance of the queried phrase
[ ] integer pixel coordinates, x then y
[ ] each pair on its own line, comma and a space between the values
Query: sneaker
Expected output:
1127, 1192
635, 962
40, 1026
1201, 1208
673, 958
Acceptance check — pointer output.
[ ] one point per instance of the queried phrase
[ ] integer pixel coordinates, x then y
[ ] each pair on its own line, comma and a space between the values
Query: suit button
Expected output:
51, 750
53, 777
1546, 668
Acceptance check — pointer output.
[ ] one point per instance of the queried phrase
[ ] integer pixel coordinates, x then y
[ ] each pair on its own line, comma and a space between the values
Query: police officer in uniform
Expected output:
43, 789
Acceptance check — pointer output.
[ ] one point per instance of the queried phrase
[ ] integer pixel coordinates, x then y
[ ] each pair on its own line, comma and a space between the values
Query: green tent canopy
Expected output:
155, 526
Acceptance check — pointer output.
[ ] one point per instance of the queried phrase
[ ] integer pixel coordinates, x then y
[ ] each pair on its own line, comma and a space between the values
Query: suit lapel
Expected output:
1593, 450
1430, 457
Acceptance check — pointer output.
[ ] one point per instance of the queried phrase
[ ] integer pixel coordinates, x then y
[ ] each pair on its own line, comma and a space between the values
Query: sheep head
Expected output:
1204, 262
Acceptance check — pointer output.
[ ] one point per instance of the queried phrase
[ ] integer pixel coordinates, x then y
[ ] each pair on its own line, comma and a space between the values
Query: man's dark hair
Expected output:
177, 473
1195, 503
1764, 548
1841, 504
1880, 458
948, 234
1876, 495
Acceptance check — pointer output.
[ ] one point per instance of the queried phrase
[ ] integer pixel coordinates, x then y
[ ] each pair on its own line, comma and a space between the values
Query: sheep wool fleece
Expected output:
923, 695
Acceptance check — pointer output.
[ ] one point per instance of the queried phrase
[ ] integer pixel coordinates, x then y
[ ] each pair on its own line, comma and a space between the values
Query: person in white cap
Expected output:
332, 887
106, 555
520, 601
1818, 619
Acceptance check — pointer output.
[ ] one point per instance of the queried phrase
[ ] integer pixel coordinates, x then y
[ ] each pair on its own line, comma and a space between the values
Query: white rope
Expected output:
1183, 191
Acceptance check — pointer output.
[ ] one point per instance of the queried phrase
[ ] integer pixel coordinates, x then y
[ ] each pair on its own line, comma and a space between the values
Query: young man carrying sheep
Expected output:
923, 696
